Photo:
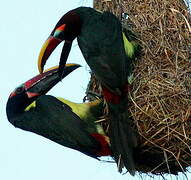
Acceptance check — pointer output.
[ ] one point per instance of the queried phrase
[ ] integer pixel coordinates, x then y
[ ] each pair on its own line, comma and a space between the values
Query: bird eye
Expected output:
59, 35
19, 90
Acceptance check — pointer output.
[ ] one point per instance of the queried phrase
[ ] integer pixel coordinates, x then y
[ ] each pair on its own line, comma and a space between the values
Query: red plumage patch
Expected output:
115, 98
105, 149
111, 97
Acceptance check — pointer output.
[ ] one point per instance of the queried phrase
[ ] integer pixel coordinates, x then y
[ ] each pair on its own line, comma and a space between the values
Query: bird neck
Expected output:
16, 105
85, 13
85, 110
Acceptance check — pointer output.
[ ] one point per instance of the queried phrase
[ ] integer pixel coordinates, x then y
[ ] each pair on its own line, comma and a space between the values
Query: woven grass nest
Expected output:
160, 98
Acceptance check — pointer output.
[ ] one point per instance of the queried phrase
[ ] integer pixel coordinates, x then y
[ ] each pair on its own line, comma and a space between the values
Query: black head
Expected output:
67, 29
29, 91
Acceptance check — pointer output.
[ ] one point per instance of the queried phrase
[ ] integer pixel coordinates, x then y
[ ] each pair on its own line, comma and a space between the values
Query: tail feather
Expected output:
122, 138
127, 145
114, 138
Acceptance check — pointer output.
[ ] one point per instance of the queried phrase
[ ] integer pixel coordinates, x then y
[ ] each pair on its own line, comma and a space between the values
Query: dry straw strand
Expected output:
160, 97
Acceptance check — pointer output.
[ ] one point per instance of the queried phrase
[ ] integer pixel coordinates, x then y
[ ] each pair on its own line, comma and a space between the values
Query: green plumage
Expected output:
110, 54
101, 43
56, 121
69, 124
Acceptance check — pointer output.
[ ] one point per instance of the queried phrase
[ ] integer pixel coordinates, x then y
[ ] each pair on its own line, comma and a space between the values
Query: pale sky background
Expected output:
24, 26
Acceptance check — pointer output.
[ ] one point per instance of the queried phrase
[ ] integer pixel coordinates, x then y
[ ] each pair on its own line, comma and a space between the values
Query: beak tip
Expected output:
64, 70
60, 74
40, 69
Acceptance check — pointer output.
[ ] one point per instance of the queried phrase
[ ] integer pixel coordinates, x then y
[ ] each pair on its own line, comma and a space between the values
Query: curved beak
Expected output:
42, 83
48, 47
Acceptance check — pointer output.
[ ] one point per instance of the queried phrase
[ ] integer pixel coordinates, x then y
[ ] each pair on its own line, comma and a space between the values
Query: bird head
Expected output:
67, 29
29, 91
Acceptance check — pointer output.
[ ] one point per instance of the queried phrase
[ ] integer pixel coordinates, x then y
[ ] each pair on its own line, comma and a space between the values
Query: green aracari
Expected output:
64, 122
109, 53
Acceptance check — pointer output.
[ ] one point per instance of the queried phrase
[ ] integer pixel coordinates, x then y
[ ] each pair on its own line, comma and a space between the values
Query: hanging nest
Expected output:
160, 97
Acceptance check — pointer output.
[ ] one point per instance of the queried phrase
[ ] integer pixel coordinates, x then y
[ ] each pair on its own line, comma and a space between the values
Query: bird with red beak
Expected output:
110, 54
64, 122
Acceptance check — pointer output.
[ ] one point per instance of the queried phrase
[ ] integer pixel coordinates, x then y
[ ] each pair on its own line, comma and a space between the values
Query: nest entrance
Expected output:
160, 99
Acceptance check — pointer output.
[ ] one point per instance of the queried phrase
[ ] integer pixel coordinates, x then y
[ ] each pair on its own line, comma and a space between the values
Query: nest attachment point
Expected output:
160, 97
